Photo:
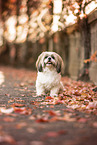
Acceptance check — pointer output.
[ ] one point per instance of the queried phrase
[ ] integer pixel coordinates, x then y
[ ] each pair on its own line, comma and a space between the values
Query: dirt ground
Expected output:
25, 119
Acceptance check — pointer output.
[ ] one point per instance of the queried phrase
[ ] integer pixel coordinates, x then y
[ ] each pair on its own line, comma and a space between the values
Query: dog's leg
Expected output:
61, 87
54, 91
57, 89
40, 91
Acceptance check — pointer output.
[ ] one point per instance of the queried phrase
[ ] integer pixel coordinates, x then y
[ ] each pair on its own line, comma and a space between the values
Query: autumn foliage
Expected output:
24, 114
93, 58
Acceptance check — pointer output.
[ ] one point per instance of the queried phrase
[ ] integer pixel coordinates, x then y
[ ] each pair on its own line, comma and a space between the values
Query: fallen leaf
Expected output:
8, 119
77, 93
32, 117
31, 130
6, 111
23, 84
62, 132
55, 133
82, 120
54, 118
48, 97
95, 124
52, 134
18, 105
36, 143
52, 113
41, 120
22, 110
21, 125
8, 139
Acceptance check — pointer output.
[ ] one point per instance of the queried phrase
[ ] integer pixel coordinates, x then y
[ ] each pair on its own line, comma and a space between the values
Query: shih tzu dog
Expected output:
49, 66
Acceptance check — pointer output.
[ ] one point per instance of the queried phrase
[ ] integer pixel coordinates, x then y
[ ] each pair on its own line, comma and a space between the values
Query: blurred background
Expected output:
68, 27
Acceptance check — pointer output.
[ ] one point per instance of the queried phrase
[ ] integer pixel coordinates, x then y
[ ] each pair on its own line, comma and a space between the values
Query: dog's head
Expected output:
50, 59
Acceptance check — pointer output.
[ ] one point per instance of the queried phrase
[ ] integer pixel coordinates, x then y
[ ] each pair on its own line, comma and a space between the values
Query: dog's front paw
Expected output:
40, 94
54, 95
54, 92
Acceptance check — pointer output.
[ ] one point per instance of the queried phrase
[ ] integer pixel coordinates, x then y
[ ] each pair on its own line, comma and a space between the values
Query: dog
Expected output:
49, 66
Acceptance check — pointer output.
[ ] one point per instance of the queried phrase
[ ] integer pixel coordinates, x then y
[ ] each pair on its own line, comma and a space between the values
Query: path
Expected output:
26, 119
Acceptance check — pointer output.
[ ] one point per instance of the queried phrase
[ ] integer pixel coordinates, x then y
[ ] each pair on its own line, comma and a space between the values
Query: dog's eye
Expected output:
53, 57
45, 57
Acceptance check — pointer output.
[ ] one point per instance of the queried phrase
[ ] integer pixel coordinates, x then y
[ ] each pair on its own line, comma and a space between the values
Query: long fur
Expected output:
49, 74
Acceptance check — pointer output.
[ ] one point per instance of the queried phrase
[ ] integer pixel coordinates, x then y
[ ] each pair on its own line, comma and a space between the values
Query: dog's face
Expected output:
50, 59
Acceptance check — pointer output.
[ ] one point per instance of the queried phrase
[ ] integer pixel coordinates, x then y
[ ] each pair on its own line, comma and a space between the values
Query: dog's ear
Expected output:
40, 68
39, 63
58, 67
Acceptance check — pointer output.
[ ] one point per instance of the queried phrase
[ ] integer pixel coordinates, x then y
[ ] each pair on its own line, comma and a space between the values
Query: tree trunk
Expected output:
85, 29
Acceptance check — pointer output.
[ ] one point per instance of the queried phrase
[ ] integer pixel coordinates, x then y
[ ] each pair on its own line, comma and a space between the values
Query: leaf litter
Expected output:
77, 96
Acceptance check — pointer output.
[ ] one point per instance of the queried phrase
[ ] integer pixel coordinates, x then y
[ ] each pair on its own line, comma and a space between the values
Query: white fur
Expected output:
49, 81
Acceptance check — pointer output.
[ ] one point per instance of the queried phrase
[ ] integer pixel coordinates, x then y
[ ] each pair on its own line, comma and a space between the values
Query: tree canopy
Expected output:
31, 20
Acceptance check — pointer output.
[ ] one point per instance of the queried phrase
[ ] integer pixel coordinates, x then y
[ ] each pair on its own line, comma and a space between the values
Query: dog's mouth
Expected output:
49, 62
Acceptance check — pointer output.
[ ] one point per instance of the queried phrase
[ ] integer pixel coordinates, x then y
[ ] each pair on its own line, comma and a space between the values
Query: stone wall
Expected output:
93, 27
74, 54
68, 44
76, 50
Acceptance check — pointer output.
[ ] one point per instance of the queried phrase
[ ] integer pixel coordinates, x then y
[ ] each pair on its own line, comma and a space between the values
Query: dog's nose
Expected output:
49, 58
